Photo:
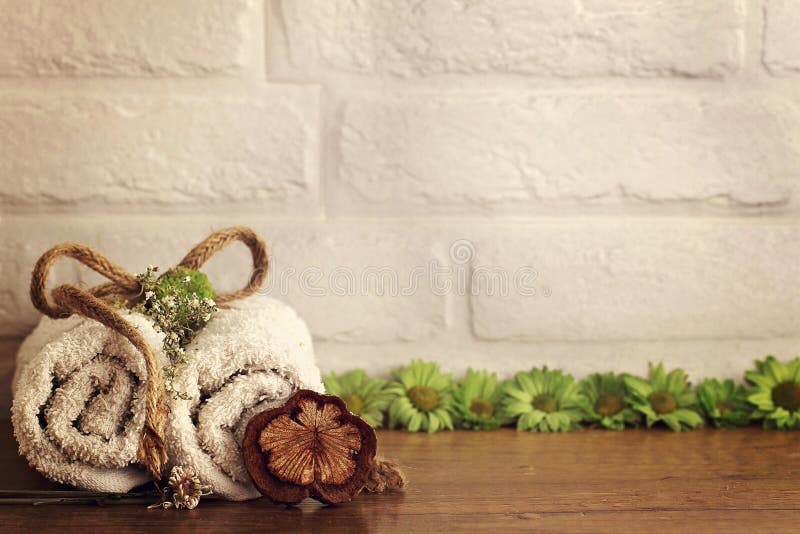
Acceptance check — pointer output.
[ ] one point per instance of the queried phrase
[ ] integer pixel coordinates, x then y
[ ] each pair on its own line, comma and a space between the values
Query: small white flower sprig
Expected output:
180, 303
183, 490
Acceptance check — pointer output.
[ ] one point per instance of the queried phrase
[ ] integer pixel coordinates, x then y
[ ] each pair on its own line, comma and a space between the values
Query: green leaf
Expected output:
638, 386
415, 422
658, 378
433, 423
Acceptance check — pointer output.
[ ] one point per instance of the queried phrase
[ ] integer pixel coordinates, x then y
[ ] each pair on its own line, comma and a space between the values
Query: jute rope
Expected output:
94, 303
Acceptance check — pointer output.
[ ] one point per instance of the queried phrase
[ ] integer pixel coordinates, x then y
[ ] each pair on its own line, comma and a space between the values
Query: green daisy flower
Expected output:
423, 398
724, 403
665, 398
366, 397
477, 398
542, 400
776, 393
604, 403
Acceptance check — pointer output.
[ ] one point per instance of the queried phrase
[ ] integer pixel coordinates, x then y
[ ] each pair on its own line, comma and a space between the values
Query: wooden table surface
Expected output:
636, 481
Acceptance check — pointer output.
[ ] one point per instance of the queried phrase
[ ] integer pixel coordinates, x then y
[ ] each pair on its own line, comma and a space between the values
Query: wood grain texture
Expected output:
592, 481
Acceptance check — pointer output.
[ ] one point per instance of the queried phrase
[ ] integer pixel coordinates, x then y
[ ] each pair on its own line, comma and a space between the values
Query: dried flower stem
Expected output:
177, 312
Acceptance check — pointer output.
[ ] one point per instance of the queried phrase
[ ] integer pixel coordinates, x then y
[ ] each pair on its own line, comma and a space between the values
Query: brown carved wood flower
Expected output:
310, 447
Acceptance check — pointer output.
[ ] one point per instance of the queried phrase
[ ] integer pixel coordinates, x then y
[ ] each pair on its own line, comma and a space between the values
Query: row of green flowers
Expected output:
421, 398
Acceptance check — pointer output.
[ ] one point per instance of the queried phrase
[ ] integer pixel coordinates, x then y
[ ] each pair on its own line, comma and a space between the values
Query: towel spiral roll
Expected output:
249, 358
79, 402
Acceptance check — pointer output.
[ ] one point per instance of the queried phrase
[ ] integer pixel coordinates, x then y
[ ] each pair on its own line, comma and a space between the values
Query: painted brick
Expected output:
543, 38
641, 279
127, 37
781, 45
355, 283
257, 147
436, 153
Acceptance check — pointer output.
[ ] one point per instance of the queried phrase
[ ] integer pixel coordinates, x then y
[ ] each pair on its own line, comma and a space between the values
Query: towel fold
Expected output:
249, 358
79, 402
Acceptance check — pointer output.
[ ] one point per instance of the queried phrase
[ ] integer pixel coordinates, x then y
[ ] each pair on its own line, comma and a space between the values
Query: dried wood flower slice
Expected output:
310, 447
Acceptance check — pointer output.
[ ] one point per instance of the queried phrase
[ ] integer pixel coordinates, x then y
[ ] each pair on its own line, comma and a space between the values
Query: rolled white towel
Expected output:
249, 358
79, 402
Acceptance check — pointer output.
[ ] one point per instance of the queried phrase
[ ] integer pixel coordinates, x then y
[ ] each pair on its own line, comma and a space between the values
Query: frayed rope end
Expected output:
152, 452
385, 475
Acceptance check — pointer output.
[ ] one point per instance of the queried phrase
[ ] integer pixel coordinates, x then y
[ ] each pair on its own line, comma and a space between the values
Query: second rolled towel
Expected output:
249, 358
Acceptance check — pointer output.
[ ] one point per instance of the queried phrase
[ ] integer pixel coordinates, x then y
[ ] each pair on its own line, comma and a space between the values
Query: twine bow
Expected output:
93, 303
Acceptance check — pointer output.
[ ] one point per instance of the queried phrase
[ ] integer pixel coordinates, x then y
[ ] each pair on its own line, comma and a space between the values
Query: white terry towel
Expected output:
79, 402
249, 358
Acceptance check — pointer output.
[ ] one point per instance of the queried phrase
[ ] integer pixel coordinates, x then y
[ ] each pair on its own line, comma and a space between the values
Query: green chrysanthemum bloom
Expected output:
477, 397
776, 393
664, 397
423, 398
724, 403
366, 397
542, 401
604, 402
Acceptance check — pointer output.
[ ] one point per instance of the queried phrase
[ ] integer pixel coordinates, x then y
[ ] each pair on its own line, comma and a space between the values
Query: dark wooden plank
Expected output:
742, 480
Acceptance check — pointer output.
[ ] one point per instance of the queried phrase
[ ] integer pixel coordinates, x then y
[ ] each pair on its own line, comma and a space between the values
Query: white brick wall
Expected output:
627, 170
